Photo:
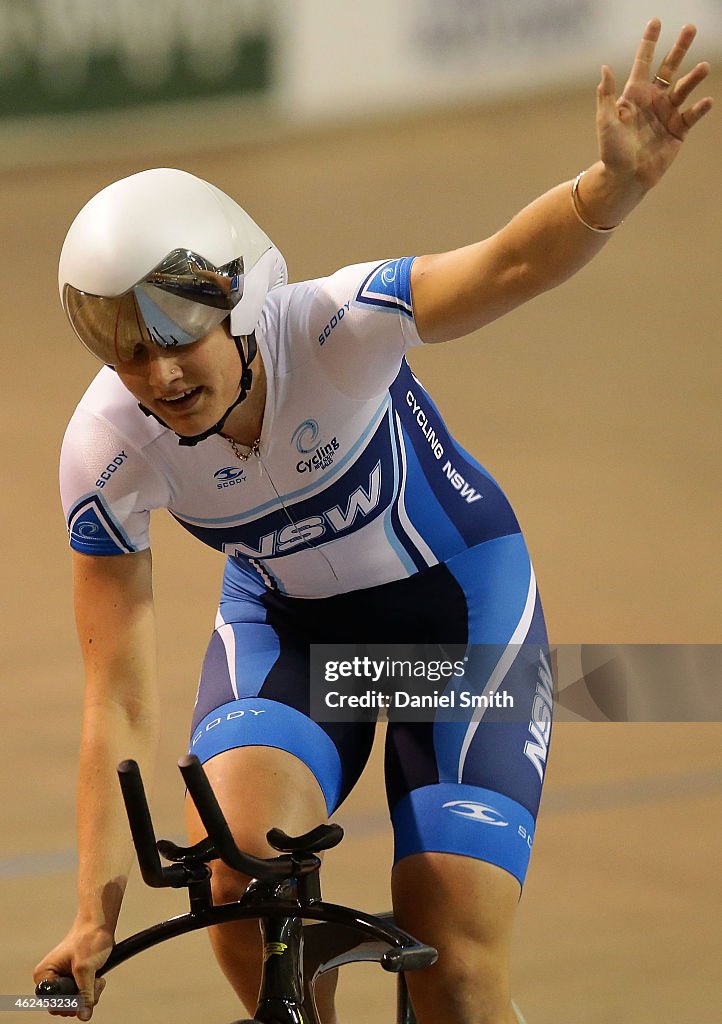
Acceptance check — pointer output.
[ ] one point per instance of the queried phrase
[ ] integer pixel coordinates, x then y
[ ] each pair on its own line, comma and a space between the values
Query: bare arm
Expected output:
115, 622
640, 134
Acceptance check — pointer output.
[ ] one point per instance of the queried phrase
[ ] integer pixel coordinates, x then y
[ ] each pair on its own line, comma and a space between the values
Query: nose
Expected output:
163, 368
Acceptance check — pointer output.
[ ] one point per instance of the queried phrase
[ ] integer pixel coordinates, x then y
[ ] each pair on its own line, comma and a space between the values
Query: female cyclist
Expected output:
280, 424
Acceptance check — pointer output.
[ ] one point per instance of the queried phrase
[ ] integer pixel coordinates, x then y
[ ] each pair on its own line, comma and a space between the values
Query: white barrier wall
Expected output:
347, 58
79, 75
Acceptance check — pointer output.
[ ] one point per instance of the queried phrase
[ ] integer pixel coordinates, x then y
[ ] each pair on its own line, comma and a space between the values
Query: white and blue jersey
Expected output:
356, 487
356, 483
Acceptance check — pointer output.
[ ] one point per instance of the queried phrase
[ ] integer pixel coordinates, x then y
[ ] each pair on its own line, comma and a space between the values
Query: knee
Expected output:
470, 980
235, 943
474, 968
227, 885
467, 913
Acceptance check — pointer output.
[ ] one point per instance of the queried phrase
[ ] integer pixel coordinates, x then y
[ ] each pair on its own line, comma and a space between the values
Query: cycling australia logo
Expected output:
318, 456
477, 812
229, 476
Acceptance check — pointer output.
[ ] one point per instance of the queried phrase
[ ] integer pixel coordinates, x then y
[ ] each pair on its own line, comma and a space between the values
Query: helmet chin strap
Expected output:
244, 388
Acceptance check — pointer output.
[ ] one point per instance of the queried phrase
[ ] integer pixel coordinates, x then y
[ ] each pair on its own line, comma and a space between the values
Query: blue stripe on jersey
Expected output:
496, 578
333, 473
410, 555
426, 512
470, 497
254, 721
388, 287
356, 498
94, 530
467, 820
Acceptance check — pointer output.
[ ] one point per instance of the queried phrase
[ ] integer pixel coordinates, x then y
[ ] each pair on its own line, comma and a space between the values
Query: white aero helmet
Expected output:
163, 256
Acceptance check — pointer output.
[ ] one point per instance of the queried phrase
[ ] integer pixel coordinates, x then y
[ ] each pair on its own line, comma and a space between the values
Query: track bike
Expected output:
303, 936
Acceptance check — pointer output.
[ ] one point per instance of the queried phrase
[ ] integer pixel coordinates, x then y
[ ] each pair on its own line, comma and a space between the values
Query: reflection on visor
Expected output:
180, 301
189, 276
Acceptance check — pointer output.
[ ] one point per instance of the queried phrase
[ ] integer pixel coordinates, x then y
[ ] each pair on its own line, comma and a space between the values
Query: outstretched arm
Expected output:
640, 133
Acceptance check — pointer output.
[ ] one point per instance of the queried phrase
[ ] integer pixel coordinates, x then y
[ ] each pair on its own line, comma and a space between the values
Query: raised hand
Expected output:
641, 131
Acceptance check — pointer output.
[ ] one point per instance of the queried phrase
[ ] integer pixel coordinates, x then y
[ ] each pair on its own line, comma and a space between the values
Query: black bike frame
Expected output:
286, 893
295, 955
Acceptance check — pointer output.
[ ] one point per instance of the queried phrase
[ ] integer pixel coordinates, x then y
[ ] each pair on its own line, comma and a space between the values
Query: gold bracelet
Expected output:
576, 204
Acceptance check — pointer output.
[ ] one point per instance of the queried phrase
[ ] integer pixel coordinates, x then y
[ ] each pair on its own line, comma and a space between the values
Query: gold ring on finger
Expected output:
662, 81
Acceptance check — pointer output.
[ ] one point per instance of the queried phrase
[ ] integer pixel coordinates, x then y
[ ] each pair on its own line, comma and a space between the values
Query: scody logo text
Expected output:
228, 476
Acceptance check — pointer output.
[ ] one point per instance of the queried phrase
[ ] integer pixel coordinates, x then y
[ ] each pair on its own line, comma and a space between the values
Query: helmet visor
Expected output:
178, 302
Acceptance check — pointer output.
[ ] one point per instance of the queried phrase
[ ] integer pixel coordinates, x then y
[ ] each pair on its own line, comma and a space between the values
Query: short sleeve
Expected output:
107, 488
361, 322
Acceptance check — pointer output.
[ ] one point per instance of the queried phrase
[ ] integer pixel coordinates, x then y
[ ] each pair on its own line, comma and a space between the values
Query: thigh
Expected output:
260, 788
254, 693
472, 787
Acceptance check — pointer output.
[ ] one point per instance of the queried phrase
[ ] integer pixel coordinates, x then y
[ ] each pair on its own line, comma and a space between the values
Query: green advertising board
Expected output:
68, 56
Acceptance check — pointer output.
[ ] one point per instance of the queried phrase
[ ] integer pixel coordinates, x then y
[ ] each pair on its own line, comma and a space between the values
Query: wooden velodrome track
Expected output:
597, 407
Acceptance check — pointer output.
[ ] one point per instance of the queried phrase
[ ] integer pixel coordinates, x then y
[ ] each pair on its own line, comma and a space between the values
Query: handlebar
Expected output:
285, 866
56, 987
220, 843
298, 859
141, 829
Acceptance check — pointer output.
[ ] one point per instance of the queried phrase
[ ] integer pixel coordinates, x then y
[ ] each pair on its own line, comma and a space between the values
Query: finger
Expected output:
88, 988
684, 120
607, 95
645, 52
697, 112
688, 83
670, 65
86, 1011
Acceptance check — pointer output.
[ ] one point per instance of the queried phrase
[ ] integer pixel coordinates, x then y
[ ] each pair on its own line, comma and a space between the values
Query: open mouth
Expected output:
182, 402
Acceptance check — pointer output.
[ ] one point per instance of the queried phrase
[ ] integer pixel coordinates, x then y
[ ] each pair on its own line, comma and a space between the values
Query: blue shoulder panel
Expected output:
93, 530
389, 286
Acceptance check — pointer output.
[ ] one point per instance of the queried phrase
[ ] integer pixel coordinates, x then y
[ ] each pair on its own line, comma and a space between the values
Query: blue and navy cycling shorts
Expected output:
465, 787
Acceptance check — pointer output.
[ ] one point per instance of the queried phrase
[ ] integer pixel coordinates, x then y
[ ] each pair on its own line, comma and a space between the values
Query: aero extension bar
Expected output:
285, 891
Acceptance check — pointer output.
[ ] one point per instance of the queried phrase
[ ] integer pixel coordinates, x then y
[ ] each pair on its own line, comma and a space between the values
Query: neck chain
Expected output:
239, 453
